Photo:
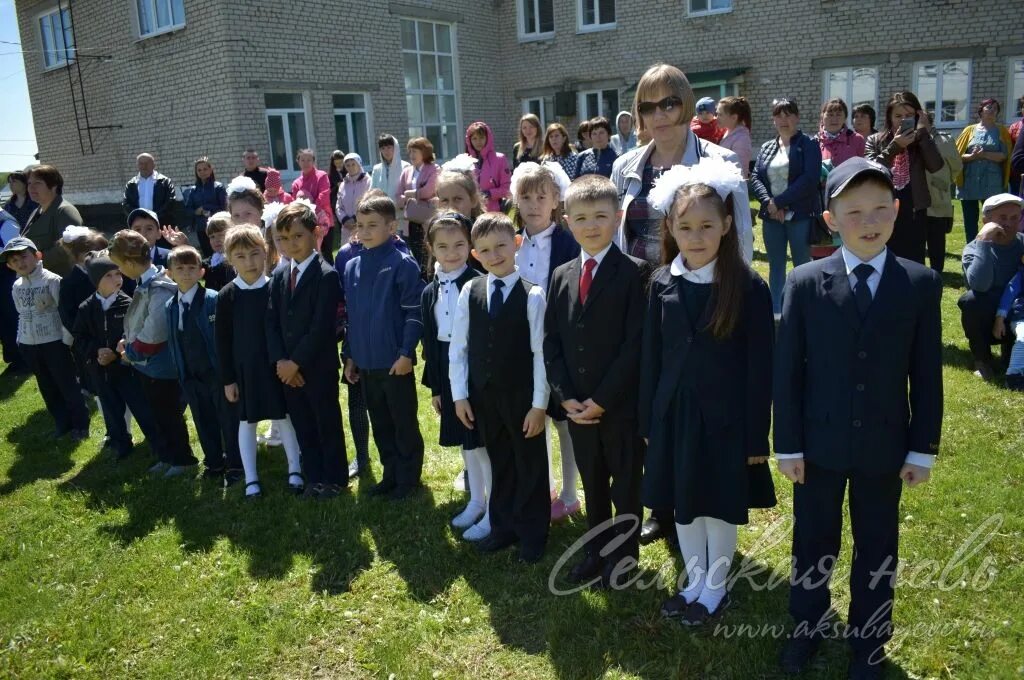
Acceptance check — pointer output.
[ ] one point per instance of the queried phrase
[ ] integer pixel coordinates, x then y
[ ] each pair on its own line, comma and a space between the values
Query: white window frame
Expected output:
367, 111
1011, 96
543, 111
707, 12
158, 30
531, 35
64, 55
582, 27
848, 95
456, 144
292, 171
581, 104
949, 124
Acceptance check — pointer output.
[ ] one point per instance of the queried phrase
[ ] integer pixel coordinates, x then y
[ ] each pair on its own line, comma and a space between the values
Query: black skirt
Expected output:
453, 432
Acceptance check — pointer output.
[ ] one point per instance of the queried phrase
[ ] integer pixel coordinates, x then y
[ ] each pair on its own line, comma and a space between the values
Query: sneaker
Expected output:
459, 483
176, 471
158, 469
468, 517
478, 531
559, 510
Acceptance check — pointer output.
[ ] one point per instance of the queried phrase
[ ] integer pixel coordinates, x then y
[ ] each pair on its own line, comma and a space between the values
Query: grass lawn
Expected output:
106, 573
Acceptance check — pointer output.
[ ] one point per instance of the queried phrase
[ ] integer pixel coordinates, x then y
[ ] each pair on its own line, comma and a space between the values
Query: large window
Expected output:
855, 86
352, 125
536, 19
538, 107
1016, 89
57, 38
943, 88
159, 16
696, 8
599, 103
286, 125
595, 15
431, 93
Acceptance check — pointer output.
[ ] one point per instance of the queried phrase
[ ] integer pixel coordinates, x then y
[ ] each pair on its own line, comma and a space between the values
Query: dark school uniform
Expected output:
217, 275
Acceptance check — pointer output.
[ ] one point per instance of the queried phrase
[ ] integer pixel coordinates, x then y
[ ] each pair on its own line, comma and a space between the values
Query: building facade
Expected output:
188, 78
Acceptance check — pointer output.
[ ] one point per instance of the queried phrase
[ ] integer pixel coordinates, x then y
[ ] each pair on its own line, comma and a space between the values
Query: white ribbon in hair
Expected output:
72, 233
558, 175
239, 184
270, 212
718, 173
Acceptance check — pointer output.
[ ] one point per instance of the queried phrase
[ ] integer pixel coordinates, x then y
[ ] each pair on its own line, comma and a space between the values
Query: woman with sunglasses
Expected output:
663, 108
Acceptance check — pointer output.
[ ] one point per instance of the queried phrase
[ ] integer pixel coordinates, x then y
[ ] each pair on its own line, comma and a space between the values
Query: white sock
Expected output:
693, 543
247, 447
483, 462
475, 472
286, 431
721, 548
570, 473
551, 464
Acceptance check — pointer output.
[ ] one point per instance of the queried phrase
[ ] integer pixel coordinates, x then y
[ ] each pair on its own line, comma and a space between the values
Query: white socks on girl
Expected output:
476, 517
708, 546
247, 447
570, 473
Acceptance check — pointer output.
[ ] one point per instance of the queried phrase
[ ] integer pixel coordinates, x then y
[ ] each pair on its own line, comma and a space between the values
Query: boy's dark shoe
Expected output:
232, 477
650, 531
403, 492
531, 553
330, 491
382, 488
984, 369
591, 566
797, 654
494, 543
312, 491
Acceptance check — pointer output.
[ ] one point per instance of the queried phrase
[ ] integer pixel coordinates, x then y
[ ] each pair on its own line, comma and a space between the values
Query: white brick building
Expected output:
185, 78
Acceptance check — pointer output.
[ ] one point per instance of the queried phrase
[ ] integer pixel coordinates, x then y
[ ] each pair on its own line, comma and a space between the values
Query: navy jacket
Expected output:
205, 320
210, 196
802, 196
841, 382
382, 300
301, 323
592, 162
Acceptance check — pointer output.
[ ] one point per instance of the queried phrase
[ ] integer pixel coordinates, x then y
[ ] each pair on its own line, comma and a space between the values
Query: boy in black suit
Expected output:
594, 324
302, 346
499, 384
856, 328
219, 271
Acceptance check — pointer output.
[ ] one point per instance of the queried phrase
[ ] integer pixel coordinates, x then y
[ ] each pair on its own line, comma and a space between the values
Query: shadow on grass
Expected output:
11, 383
272, 530
36, 455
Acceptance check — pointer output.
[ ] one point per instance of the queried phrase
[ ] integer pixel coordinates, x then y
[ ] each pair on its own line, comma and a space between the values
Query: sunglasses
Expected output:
666, 105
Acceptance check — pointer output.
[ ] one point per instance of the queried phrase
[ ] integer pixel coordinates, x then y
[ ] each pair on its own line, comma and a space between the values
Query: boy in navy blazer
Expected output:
594, 327
302, 347
858, 401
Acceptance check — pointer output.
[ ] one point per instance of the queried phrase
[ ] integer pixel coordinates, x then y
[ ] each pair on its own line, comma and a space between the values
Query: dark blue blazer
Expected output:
301, 323
205, 321
563, 249
857, 394
802, 195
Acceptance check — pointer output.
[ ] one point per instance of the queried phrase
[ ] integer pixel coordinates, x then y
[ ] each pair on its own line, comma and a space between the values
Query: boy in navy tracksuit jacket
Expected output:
190, 318
382, 297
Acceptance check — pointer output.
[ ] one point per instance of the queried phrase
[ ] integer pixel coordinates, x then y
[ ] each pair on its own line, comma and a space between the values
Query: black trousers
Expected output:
938, 227
118, 389
911, 230
216, 421
391, 402
54, 368
316, 415
519, 505
168, 408
817, 533
417, 246
977, 313
610, 459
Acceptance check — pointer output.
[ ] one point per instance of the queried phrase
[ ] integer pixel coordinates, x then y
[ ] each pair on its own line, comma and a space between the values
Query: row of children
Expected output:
665, 380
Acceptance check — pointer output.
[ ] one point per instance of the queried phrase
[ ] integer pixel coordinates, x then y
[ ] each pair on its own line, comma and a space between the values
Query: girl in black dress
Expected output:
246, 371
448, 242
705, 381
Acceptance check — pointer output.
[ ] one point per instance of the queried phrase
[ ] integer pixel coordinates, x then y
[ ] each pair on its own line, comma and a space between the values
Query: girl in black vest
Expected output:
448, 240
705, 381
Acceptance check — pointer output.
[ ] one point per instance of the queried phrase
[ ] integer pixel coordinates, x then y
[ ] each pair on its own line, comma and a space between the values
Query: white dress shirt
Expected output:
148, 274
534, 257
705, 274
301, 266
878, 264
185, 299
216, 259
146, 185
258, 283
597, 258
447, 302
106, 302
458, 351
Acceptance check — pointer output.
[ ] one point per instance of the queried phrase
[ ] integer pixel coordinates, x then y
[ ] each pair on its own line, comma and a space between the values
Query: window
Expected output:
538, 107
431, 93
286, 125
943, 89
599, 103
595, 15
702, 7
159, 16
1016, 89
57, 38
536, 19
351, 125
715, 89
855, 86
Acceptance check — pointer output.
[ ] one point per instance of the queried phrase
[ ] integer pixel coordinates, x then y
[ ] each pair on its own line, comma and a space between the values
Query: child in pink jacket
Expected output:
492, 173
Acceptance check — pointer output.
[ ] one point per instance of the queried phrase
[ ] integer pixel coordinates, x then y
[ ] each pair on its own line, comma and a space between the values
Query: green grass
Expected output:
106, 573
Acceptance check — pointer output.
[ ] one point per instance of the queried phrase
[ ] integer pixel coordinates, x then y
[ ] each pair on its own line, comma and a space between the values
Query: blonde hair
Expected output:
467, 183
535, 122
664, 78
219, 222
244, 236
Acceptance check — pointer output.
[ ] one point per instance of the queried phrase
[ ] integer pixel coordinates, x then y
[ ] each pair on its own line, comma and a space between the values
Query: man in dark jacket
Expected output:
150, 190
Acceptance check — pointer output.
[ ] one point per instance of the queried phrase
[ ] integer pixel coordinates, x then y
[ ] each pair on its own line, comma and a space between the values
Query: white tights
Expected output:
247, 447
570, 473
708, 546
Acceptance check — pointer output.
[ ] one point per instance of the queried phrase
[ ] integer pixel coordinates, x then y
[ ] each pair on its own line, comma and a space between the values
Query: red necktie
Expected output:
295, 278
587, 279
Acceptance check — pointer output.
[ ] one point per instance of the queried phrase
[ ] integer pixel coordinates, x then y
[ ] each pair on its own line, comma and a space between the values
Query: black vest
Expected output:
193, 348
499, 349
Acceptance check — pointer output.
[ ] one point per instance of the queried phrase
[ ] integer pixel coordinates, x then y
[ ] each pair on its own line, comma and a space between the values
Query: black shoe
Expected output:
232, 477
591, 566
312, 491
614, 578
296, 488
253, 496
674, 606
866, 666
382, 488
330, 491
650, 531
494, 543
797, 653
403, 492
213, 473
531, 553
698, 615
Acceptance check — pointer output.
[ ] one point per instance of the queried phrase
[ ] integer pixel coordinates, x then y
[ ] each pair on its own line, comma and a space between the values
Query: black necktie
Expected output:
184, 314
861, 291
497, 299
